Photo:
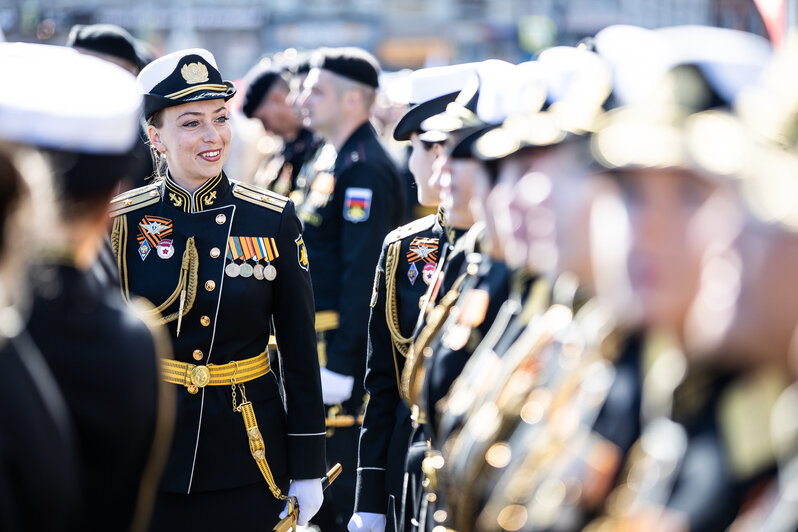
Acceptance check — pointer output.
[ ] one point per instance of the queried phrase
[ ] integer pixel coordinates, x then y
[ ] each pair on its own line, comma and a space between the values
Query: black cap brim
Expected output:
464, 140
411, 121
153, 103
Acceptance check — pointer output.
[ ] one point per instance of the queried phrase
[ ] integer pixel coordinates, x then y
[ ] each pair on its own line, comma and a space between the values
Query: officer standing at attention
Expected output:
105, 360
407, 265
266, 99
346, 218
224, 262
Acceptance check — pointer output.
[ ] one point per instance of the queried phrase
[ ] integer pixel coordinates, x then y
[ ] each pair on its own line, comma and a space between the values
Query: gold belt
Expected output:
195, 377
235, 374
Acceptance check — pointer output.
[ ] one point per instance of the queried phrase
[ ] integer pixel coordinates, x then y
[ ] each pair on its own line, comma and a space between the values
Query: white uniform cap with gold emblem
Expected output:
70, 101
184, 76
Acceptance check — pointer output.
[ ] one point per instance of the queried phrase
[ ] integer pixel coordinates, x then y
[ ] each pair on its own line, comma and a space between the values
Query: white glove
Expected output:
308, 495
335, 388
366, 522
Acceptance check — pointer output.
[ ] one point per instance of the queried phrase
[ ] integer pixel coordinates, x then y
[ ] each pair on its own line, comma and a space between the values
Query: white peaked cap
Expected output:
66, 100
730, 59
428, 83
575, 73
494, 77
520, 90
162, 68
560, 73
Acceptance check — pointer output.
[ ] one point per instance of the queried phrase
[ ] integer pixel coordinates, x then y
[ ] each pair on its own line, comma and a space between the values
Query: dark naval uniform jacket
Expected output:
346, 217
169, 241
105, 359
409, 257
39, 468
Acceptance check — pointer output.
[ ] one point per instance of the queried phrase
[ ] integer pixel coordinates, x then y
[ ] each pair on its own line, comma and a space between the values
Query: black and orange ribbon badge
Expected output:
152, 229
423, 249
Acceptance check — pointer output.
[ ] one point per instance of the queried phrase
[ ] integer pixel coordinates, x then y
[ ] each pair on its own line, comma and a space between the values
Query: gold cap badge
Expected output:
194, 73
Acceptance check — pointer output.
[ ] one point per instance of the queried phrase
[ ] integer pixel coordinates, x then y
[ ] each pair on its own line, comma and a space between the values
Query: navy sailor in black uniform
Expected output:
224, 263
346, 217
267, 99
407, 266
38, 458
103, 358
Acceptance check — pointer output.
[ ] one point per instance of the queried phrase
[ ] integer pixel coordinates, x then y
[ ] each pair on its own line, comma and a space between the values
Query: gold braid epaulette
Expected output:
119, 245
391, 312
187, 280
260, 196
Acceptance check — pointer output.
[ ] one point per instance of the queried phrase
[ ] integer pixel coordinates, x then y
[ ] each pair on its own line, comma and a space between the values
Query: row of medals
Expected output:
258, 271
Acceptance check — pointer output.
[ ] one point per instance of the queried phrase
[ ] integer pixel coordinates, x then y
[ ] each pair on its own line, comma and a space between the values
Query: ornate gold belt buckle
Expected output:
200, 376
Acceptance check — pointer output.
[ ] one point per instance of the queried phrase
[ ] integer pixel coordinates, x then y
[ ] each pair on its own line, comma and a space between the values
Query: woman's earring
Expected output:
163, 155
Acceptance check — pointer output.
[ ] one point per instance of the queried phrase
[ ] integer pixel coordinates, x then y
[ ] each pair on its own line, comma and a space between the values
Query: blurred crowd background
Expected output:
401, 33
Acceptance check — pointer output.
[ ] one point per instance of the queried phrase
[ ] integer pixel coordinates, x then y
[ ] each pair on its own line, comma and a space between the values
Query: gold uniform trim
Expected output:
206, 195
185, 374
259, 196
231, 374
416, 226
179, 198
135, 199
191, 90
401, 343
326, 320
186, 289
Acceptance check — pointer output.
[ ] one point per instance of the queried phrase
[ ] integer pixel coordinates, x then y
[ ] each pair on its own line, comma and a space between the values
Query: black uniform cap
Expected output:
108, 39
411, 121
352, 63
260, 80
463, 140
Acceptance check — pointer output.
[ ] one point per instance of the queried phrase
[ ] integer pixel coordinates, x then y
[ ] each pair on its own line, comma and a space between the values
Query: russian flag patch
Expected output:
357, 204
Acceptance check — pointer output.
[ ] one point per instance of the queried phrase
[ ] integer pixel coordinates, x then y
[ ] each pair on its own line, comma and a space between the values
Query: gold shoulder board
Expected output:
135, 199
260, 196
412, 228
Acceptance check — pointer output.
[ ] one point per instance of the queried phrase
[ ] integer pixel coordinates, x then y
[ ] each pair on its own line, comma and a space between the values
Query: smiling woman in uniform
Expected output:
224, 263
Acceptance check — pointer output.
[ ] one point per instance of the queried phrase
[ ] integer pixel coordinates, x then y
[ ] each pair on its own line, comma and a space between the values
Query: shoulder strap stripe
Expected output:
261, 197
413, 227
135, 199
